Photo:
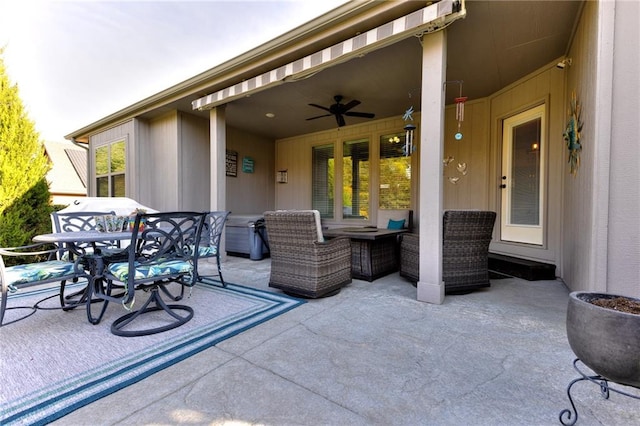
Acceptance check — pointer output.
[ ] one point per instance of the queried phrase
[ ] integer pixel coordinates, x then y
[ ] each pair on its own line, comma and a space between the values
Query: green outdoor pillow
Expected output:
395, 224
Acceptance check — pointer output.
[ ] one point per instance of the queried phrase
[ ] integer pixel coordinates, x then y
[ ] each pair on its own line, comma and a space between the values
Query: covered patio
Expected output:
221, 141
374, 355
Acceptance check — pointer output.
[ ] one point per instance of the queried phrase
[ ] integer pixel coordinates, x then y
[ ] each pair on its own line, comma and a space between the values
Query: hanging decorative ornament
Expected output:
408, 148
460, 113
408, 114
460, 100
461, 167
408, 144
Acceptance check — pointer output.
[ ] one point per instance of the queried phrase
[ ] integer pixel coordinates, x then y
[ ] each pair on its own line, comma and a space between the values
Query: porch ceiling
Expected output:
497, 43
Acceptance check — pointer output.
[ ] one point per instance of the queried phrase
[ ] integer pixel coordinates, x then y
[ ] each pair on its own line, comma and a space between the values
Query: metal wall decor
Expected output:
571, 134
232, 163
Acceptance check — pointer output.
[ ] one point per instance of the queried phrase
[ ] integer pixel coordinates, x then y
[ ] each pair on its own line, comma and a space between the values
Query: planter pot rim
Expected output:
592, 295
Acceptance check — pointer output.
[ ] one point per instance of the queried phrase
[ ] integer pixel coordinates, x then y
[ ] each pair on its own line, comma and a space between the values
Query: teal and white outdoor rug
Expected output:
55, 362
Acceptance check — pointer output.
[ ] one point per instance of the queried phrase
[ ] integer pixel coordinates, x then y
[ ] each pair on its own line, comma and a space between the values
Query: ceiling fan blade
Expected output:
319, 116
360, 114
321, 107
350, 105
340, 120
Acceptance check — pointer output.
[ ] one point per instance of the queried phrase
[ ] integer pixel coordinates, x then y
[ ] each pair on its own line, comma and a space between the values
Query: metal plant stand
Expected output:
569, 417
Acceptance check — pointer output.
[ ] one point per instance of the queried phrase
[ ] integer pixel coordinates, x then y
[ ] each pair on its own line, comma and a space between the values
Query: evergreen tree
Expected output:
24, 192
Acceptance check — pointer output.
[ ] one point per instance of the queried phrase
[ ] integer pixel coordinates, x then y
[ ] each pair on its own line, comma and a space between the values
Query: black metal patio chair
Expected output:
210, 240
76, 222
161, 252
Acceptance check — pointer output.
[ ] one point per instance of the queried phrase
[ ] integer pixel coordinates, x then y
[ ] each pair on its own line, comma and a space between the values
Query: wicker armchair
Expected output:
302, 263
465, 251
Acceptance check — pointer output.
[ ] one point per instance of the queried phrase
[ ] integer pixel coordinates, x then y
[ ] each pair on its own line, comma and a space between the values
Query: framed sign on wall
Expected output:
232, 163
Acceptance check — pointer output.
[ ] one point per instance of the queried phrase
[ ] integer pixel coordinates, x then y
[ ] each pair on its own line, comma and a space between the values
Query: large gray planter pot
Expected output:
605, 340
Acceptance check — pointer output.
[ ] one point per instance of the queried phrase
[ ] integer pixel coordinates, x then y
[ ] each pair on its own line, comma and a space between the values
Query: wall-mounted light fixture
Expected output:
282, 176
563, 63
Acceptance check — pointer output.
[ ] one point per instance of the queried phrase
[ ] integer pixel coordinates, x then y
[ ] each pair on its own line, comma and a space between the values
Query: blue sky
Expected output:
77, 61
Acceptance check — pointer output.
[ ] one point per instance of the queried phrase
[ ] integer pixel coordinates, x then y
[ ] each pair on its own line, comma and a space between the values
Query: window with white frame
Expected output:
355, 179
323, 170
394, 173
110, 166
351, 179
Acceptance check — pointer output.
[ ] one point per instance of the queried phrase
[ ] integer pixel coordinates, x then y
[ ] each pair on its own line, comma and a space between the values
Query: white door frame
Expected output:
512, 227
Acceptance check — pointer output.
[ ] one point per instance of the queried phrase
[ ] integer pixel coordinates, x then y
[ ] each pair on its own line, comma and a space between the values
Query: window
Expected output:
323, 170
395, 173
110, 163
344, 190
355, 179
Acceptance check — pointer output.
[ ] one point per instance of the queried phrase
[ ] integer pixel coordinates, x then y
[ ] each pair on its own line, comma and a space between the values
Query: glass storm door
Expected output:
523, 172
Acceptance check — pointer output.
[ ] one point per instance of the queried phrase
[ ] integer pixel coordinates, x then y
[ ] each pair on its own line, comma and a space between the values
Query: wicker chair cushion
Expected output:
50, 270
120, 270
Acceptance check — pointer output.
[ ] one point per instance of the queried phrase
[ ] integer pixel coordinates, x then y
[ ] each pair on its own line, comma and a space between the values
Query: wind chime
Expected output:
460, 100
409, 128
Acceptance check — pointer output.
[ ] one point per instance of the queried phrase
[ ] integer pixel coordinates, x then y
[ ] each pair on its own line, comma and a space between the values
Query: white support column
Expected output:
218, 158
434, 64
218, 167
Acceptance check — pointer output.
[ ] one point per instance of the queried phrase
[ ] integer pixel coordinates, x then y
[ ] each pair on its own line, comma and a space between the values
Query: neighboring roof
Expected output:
68, 174
78, 158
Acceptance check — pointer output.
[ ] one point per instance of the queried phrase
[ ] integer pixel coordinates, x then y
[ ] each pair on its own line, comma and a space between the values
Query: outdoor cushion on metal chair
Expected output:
210, 239
162, 252
38, 272
465, 251
301, 262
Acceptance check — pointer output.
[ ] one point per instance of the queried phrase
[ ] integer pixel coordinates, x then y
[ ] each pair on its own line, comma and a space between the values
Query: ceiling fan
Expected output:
340, 110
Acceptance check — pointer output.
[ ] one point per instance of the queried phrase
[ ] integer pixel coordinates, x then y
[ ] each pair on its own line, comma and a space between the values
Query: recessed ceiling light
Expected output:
270, 115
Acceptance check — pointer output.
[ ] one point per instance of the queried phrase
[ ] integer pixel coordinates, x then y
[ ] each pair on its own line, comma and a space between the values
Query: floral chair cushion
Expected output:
207, 251
120, 270
50, 270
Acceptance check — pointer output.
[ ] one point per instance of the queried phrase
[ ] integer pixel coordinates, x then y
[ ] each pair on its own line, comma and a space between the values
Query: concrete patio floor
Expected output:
373, 355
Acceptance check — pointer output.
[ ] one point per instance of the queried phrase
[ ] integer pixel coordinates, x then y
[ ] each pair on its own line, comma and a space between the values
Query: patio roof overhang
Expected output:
432, 18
